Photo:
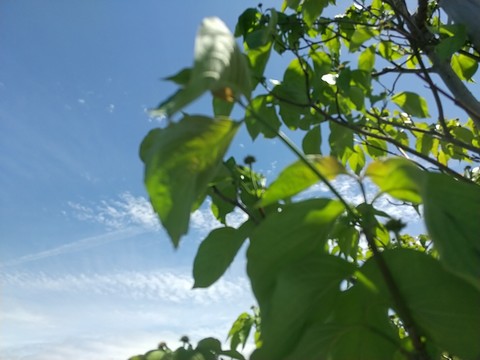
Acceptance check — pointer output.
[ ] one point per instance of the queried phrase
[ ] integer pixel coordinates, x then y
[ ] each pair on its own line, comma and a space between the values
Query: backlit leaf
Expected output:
180, 161
398, 177
298, 177
412, 103
312, 9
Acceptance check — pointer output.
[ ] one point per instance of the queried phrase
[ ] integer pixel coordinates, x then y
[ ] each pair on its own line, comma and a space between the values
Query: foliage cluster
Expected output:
333, 279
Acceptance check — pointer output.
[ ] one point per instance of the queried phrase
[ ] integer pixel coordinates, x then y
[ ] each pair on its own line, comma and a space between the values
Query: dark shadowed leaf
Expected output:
444, 306
216, 253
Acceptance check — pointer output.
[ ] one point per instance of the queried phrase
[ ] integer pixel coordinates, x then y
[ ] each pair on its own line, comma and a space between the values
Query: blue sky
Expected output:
85, 270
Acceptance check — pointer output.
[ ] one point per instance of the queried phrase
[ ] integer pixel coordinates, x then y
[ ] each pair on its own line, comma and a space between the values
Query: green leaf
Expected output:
298, 177
360, 35
157, 355
261, 107
182, 77
464, 66
216, 253
412, 103
357, 159
222, 107
219, 64
247, 21
180, 161
444, 306
398, 177
210, 344
240, 330
366, 60
311, 283
452, 213
258, 59
286, 237
450, 45
312, 141
341, 141
357, 328
312, 9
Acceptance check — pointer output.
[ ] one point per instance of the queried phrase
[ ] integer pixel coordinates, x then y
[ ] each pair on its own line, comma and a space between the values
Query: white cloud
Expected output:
350, 191
76, 246
119, 213
169, 286
129, 210
112, 315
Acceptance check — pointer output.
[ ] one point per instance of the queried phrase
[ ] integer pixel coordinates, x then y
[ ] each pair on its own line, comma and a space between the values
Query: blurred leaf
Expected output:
219, 64
444, 306
312, 9
301, 288
286, 237
398, 177
240, 330
182, 77
312, 141
366, 60
357, 159
450, 45
412, 103
357, 328
180, 161
298, 177
464, 66
452, 213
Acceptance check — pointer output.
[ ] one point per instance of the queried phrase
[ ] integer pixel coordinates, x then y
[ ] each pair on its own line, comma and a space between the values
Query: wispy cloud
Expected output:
350, 191
129, 210
169, 286
125, 211
76, 246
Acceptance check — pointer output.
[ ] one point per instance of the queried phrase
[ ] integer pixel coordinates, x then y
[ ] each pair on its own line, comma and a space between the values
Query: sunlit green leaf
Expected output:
464, 66
360, 35
366, 60
312, 9
412, 103
398, 177
240, 330
357, 159
298, 177
180, 161
261, 117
